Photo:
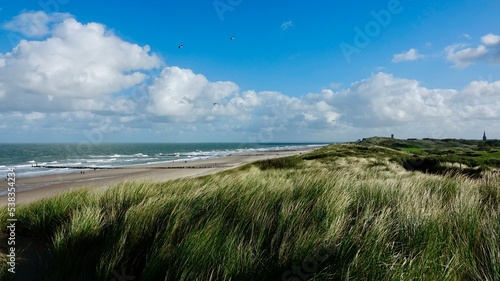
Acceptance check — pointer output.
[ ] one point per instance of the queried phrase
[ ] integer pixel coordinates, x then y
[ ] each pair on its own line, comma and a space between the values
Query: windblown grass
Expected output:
321, 217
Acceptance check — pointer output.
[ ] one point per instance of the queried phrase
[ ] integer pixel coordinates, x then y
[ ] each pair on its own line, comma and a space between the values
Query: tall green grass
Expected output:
321, 217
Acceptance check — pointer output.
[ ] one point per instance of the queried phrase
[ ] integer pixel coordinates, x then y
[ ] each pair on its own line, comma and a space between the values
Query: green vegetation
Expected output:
279, 163
342, 212
412, 149
469, 157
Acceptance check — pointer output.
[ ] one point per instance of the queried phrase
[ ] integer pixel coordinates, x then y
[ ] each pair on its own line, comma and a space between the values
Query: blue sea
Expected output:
106, 155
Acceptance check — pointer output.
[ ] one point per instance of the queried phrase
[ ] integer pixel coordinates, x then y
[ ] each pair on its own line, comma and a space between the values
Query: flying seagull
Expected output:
232, 38
215, 103
180, 46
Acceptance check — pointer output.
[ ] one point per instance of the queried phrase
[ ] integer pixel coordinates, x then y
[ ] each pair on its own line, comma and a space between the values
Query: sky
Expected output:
248, 71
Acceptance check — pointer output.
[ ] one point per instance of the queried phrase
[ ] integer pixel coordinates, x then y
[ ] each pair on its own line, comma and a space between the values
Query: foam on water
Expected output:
144, 155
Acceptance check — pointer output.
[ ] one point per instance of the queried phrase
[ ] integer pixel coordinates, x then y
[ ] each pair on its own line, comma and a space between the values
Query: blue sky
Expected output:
295, 71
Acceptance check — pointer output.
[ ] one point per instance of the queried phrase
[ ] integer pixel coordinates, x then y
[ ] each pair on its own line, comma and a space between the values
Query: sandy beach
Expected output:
32, 189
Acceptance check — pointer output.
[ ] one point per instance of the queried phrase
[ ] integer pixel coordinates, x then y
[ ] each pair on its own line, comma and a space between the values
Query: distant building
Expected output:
484, 136
392, 136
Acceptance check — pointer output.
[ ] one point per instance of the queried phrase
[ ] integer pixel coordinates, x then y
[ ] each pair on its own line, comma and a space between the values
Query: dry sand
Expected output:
32, 189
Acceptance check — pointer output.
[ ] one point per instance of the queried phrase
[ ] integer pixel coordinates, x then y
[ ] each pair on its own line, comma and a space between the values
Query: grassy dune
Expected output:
342, 212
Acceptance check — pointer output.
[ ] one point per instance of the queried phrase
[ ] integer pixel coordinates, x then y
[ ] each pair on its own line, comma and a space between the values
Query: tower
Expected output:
484, 136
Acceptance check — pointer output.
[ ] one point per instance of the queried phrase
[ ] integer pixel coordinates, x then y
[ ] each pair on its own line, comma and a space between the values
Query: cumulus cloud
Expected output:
78, 67
479, 100
410, 55
384, 100
181, 94
384, 104
462, 56
34, 23
78, 60
286, 25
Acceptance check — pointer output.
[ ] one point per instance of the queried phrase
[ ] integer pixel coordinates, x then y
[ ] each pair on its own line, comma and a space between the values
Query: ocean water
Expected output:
23, 156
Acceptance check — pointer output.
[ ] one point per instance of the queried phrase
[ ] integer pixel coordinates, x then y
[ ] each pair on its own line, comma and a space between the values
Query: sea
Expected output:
26, 159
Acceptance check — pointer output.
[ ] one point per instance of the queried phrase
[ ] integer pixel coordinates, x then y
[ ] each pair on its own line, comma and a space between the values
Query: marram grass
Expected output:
322, 217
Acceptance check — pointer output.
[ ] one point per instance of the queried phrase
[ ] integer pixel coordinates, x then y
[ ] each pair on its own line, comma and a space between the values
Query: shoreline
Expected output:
35, 188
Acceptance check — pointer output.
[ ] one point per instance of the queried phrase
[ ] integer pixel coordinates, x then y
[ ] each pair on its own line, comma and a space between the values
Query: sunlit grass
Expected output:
366, 217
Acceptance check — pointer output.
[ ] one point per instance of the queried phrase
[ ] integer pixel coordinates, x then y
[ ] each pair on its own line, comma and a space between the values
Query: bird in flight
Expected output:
232, 38
180, 46
215, 103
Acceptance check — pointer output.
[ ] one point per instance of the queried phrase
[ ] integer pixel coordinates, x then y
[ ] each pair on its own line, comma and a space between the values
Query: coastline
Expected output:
32, 189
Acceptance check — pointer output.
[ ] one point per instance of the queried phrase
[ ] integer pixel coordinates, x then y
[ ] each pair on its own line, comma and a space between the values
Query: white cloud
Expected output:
479, 100
490, 40
462, 56
286, 25
379, 103
34, 23
33, 116
79, 67
467, 36
182, 95
383, 101
410, 55
77, 61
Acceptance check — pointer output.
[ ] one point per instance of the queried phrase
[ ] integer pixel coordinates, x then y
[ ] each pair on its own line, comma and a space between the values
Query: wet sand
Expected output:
32, 189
